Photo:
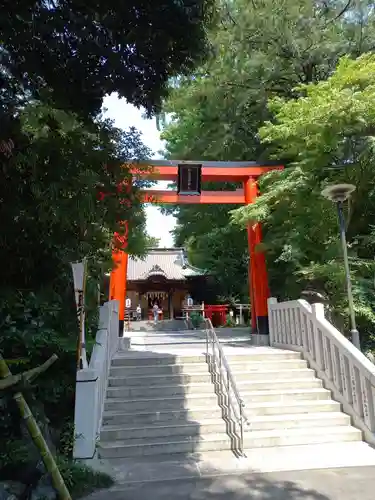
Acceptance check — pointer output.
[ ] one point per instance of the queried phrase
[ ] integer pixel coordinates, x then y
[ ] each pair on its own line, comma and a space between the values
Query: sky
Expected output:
126, 115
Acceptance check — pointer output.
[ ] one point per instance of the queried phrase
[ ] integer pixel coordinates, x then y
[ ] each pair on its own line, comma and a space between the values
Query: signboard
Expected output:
189, 302
128, 303
189, 179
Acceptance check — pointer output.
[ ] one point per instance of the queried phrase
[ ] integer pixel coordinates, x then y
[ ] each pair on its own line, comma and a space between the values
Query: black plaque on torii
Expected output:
189, 178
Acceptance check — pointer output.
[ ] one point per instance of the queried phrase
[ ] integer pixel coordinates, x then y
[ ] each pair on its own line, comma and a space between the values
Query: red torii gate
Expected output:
245, 172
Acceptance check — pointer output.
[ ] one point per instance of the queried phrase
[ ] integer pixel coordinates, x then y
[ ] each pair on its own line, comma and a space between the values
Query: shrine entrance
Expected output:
189, 176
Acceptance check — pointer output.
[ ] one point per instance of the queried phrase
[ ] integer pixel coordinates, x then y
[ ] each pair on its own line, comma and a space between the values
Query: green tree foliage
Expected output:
58, 156
152, 242
53, 213
49, 188
77, 52
218, 114
329, 132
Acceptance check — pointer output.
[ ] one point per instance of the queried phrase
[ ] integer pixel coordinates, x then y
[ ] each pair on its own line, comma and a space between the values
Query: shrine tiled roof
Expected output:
171, 263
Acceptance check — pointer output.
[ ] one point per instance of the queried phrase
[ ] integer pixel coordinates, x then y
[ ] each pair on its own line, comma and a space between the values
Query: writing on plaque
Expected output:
189, 179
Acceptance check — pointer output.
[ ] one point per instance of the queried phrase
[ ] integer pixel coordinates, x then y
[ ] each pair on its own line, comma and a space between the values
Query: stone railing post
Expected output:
86, 410
318, 313
271, 320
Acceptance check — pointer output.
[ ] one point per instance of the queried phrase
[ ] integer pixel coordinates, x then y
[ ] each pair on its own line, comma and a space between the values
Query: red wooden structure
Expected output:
245, 173
220, 311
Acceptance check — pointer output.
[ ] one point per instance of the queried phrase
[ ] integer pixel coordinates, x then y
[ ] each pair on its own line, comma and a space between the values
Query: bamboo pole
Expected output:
35, 433
28, 376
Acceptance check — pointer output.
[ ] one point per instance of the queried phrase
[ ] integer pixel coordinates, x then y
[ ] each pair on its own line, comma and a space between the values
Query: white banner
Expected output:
79, 279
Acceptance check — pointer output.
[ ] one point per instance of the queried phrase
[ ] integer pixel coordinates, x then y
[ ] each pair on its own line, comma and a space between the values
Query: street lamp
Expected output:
338, 194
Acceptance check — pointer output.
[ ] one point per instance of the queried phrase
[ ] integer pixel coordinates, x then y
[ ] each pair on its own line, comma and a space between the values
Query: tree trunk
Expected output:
37, 437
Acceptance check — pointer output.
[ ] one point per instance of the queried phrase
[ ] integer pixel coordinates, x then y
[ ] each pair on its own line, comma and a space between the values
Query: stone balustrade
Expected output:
91, 383
299, 326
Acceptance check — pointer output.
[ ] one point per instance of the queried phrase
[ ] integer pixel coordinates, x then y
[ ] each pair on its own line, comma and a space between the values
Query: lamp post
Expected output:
339, 193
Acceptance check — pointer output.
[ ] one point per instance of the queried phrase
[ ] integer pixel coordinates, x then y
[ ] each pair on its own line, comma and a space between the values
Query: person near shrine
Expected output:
155, 310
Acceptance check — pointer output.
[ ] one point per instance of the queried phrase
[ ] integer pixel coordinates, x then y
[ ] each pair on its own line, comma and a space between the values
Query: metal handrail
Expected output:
229, 383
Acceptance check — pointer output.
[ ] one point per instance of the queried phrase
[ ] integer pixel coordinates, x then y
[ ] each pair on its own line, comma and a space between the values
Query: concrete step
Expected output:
160, 446
161, 403
119, 391
161, 391
178, 339
171, 416
218, 425
254, 391
161, 359
253, 354
241, 365
272, 375
160, 380
291, 407
297, 420
278, 384
277, 397
158, 370
205, 376
194, 429
252, 439
284, 395
302, 436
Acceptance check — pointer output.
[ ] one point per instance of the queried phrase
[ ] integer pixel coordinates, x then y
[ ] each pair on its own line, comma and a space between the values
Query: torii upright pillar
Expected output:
118, 281
120, 256
258, 279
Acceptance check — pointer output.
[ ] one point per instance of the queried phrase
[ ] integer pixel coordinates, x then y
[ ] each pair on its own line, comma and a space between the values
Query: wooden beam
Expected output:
211, 171
206, 197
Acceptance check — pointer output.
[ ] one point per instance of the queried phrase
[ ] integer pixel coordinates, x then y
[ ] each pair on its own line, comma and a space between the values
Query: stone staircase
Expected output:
286, 403
164, 404
160, 404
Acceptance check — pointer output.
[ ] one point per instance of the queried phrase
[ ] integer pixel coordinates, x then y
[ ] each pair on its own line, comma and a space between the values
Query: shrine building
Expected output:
164, 277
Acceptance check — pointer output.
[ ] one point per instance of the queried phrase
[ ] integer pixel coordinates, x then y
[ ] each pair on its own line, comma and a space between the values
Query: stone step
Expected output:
150, 417
154, 359
253, 355
301, 436
285, 395
160, 380
208, 388
124, 414
291, 407
212, 442
161, 391
278, 384
161, 403
192, 400
118, 433
218, 425
297, 420
205, 376
178, 339
251, 367
158, 370
272, 375
160, 446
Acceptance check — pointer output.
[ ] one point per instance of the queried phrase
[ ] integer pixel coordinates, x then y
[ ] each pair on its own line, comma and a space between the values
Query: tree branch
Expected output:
343, 10
28, 376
